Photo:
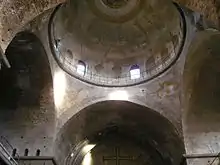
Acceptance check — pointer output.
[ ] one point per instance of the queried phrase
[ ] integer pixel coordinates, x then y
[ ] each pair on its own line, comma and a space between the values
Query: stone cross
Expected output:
118, 157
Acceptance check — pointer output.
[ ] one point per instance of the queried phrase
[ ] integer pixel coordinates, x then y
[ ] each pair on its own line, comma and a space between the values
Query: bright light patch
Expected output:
87, 160
118, 95
81, 68
59, 84
135, 73
88, 147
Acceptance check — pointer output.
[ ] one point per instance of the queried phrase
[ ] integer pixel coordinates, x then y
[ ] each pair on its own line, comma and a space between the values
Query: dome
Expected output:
108, 37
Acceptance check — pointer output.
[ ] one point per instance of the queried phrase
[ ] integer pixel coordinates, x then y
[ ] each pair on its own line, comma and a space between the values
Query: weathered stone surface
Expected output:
208, 8
14, 14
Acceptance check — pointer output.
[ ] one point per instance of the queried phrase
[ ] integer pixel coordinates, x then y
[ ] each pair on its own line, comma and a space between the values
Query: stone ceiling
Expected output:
15, 13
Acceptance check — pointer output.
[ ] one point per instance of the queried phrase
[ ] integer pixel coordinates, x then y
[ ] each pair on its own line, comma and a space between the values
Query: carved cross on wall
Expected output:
118, 157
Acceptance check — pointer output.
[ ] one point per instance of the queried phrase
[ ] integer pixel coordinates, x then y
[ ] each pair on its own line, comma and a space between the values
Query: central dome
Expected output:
110, 38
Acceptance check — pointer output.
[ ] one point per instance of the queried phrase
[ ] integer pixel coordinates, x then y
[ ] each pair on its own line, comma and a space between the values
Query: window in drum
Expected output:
135, 72
81, 68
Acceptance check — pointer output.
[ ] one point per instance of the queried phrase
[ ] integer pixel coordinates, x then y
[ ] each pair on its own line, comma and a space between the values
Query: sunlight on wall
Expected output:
87, 160
88, 147
59, 84
118, 95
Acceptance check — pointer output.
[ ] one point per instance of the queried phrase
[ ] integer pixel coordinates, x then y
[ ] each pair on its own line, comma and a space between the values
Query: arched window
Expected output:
135, 72
38, 152
14, 152
81, 68
26, 152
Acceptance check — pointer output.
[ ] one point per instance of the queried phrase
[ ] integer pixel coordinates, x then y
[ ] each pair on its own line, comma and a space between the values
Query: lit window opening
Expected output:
135, 72
81, 68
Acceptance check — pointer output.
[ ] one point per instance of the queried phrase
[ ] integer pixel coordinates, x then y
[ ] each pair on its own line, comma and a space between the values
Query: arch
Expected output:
26, 91
81, 68
124, 120
201, 93
29, 66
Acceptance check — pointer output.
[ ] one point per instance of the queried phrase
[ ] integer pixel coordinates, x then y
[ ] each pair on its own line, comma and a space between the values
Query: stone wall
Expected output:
27, 108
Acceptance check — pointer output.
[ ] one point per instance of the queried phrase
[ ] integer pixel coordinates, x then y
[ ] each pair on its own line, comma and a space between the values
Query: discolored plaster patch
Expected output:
167, 88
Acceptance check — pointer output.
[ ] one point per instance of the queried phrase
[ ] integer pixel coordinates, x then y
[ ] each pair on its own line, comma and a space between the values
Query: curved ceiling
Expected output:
109, 120
16, 13
111, 36
201, 82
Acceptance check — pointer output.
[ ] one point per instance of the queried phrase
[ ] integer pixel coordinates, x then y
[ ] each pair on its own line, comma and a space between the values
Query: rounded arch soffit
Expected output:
95, 125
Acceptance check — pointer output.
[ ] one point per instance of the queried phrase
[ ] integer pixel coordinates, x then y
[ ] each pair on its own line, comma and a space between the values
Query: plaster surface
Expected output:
45, 108
110, 41
201, 116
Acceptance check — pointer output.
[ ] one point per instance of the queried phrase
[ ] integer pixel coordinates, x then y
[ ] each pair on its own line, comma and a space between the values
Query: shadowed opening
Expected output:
118, 132
27, 102
29, 74
201, 82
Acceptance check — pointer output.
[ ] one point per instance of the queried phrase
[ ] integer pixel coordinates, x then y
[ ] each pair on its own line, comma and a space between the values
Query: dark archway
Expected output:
201, 94
29, 74
26, 93
124, 121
